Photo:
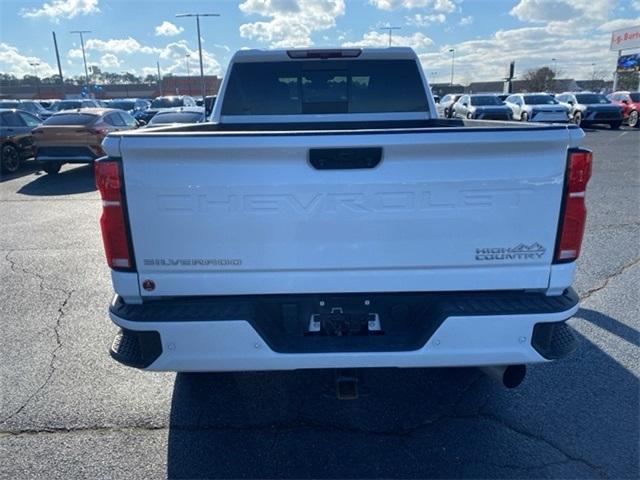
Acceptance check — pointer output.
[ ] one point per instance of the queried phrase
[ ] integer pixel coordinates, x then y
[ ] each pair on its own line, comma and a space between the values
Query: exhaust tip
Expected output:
509, 376
513, 375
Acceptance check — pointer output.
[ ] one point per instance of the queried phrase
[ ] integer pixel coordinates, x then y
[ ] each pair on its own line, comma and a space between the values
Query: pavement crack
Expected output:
606, 281
56, 332
540, 438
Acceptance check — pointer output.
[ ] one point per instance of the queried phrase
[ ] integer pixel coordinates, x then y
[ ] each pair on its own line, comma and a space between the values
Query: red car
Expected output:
630, 103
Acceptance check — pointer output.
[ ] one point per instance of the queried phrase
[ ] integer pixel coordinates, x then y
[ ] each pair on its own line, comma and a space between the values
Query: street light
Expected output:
186, 59
452, 51
35, 70
198, 15
555, 66
390, 29
84, 57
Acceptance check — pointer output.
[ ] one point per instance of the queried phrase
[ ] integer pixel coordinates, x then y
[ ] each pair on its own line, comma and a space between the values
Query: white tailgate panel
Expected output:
248, 214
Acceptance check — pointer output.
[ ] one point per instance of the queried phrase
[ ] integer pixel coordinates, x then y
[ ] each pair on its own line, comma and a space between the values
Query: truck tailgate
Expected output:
456, 209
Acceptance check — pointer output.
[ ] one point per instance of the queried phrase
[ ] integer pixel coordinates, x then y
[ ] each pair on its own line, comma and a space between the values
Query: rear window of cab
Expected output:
316, 87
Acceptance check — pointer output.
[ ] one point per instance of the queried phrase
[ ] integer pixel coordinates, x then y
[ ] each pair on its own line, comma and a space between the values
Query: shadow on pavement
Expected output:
67, 182
611, 325
576, 418
28, 167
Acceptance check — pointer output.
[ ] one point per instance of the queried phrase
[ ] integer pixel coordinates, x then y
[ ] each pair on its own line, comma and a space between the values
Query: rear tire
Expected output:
52, 168
577, 118
10, 159
615, 125
524, 117
633, 119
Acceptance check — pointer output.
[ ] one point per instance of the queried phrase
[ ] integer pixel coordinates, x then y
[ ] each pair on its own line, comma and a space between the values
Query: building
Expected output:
171, 85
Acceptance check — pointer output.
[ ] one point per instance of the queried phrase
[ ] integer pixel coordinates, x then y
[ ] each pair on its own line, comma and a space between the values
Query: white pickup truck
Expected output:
327, 218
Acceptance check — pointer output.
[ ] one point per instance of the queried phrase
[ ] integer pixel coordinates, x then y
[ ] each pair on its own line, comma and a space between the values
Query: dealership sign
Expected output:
629, 63
626, 38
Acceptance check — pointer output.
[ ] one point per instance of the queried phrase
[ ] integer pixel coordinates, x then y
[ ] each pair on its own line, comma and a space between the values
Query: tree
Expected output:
628, 80
539, 80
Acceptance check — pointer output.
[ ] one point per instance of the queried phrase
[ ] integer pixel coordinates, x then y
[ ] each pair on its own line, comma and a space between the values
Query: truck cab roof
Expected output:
262, 55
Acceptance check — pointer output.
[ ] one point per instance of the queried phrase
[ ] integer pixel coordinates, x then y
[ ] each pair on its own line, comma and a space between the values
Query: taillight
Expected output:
574, 212
112, 221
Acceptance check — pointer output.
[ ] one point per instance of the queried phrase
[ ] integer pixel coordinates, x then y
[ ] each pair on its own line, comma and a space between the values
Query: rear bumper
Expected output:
454, 330
68, 154
77, 159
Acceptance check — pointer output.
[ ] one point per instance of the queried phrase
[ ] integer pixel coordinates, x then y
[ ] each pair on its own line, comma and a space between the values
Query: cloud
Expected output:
416, 41
59, 9
127, 45
531, 47
109, 60
175, 54
466, 21
12, 61
543, 11
619, 23
75, 53
168, 29
420, 20
291, 22
444, 6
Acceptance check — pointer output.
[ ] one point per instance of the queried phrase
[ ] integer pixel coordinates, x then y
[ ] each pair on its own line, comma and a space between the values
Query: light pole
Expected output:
35, 70
452, 51
159, 78
390, 29
186, 59
84, 57
198, 15
555, 66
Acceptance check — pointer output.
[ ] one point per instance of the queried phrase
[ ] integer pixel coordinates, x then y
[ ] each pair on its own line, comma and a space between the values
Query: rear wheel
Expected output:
577, 118
524, 117
633, 119
10, 159
615, 125
52, 168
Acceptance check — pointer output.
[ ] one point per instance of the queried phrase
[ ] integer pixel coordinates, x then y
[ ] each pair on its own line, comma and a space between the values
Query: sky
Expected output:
132, 35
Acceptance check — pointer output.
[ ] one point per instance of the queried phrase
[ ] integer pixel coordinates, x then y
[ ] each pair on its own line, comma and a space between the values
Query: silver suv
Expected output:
591, 108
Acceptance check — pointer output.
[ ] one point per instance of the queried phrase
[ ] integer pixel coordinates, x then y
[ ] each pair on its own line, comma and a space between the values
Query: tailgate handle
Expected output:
345, 158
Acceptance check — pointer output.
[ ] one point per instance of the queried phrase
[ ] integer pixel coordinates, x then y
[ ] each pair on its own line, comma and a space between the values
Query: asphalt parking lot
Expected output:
68, 411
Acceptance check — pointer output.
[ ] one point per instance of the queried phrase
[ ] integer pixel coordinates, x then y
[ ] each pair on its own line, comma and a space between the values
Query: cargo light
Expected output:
574, 210
112, 222
325, 54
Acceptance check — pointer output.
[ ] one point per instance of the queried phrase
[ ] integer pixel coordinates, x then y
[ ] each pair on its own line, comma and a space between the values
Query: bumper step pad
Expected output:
553, 340
137, 349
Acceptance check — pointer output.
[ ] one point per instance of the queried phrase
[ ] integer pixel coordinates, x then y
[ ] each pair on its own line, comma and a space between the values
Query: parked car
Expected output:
591, 108
46, 102
536, 107
30, 106
481, 107
445, 106
178, 115
133, 106
62, 105
75, 136
295, 231
16, 140
630, 103
166, 102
